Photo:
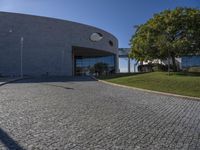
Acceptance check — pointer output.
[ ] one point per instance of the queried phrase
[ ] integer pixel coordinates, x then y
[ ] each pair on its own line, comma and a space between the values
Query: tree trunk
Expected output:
174, 63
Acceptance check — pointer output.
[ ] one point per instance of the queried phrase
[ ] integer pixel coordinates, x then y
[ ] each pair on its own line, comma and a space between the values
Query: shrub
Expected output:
145, 68
159, 67
194, 69
153, 67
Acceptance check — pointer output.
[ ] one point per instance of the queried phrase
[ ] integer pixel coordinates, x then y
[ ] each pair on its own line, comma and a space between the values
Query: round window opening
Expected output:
95, 37
111, 43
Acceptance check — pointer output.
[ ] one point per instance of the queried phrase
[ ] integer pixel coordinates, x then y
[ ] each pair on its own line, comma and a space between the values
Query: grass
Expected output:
176, 83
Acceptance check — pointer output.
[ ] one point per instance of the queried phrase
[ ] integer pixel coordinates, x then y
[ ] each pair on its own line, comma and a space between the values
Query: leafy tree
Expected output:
170, 33
101, 68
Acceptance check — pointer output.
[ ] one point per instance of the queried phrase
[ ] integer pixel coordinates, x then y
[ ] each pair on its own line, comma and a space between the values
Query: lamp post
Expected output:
21, 52
21, 56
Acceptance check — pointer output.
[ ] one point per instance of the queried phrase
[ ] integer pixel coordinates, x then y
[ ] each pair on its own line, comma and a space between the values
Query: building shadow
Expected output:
49, 79
8, 142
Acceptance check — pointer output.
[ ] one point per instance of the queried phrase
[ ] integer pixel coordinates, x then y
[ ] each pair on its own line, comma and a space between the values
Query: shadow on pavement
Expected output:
8, 142
55, 79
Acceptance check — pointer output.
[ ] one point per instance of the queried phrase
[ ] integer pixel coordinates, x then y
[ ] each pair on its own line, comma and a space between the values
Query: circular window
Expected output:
111, 43
95, 37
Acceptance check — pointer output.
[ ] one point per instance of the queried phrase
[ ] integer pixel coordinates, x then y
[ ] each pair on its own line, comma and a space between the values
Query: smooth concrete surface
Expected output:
47, 45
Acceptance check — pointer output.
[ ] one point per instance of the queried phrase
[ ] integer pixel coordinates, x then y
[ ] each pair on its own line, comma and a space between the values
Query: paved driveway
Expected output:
69, 113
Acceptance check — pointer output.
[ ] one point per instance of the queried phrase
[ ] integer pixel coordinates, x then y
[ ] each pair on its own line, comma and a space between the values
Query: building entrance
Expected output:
95, 65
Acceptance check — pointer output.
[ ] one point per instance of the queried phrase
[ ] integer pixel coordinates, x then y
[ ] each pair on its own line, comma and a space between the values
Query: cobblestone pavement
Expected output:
84, 114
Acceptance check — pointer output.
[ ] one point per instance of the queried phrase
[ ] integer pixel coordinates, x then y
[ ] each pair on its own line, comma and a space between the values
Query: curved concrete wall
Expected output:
48, 44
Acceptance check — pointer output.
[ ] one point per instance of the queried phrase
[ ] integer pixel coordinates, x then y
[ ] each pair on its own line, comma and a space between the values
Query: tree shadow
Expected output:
189, 74
8, 142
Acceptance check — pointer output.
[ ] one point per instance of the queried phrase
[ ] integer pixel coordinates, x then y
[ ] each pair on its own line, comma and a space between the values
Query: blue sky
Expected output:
115, 16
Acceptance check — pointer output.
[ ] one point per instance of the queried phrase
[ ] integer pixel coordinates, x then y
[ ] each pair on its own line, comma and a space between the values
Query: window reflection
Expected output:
94, 65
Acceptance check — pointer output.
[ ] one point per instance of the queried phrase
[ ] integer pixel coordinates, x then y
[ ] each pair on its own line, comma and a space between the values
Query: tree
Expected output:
171, 33
100, 68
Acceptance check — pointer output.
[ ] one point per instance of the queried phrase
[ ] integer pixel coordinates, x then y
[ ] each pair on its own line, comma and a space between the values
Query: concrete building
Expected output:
33, 45
190, 61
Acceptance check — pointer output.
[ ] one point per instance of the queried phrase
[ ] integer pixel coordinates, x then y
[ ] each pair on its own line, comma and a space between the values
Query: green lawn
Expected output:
177, 83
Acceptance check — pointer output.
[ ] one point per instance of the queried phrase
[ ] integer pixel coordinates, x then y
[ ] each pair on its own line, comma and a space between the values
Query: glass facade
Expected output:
94, 65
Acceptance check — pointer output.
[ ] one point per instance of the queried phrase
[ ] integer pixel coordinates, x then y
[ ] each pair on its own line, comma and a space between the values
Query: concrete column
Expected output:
134, 67
129, 65
67, 66
73, 63
116, 63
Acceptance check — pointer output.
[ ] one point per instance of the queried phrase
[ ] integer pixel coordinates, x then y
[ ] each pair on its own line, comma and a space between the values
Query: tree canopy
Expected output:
170, 33
101, 67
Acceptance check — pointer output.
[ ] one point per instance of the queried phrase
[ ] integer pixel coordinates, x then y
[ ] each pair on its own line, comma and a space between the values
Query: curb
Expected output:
92, 77
149, 91
10, 81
